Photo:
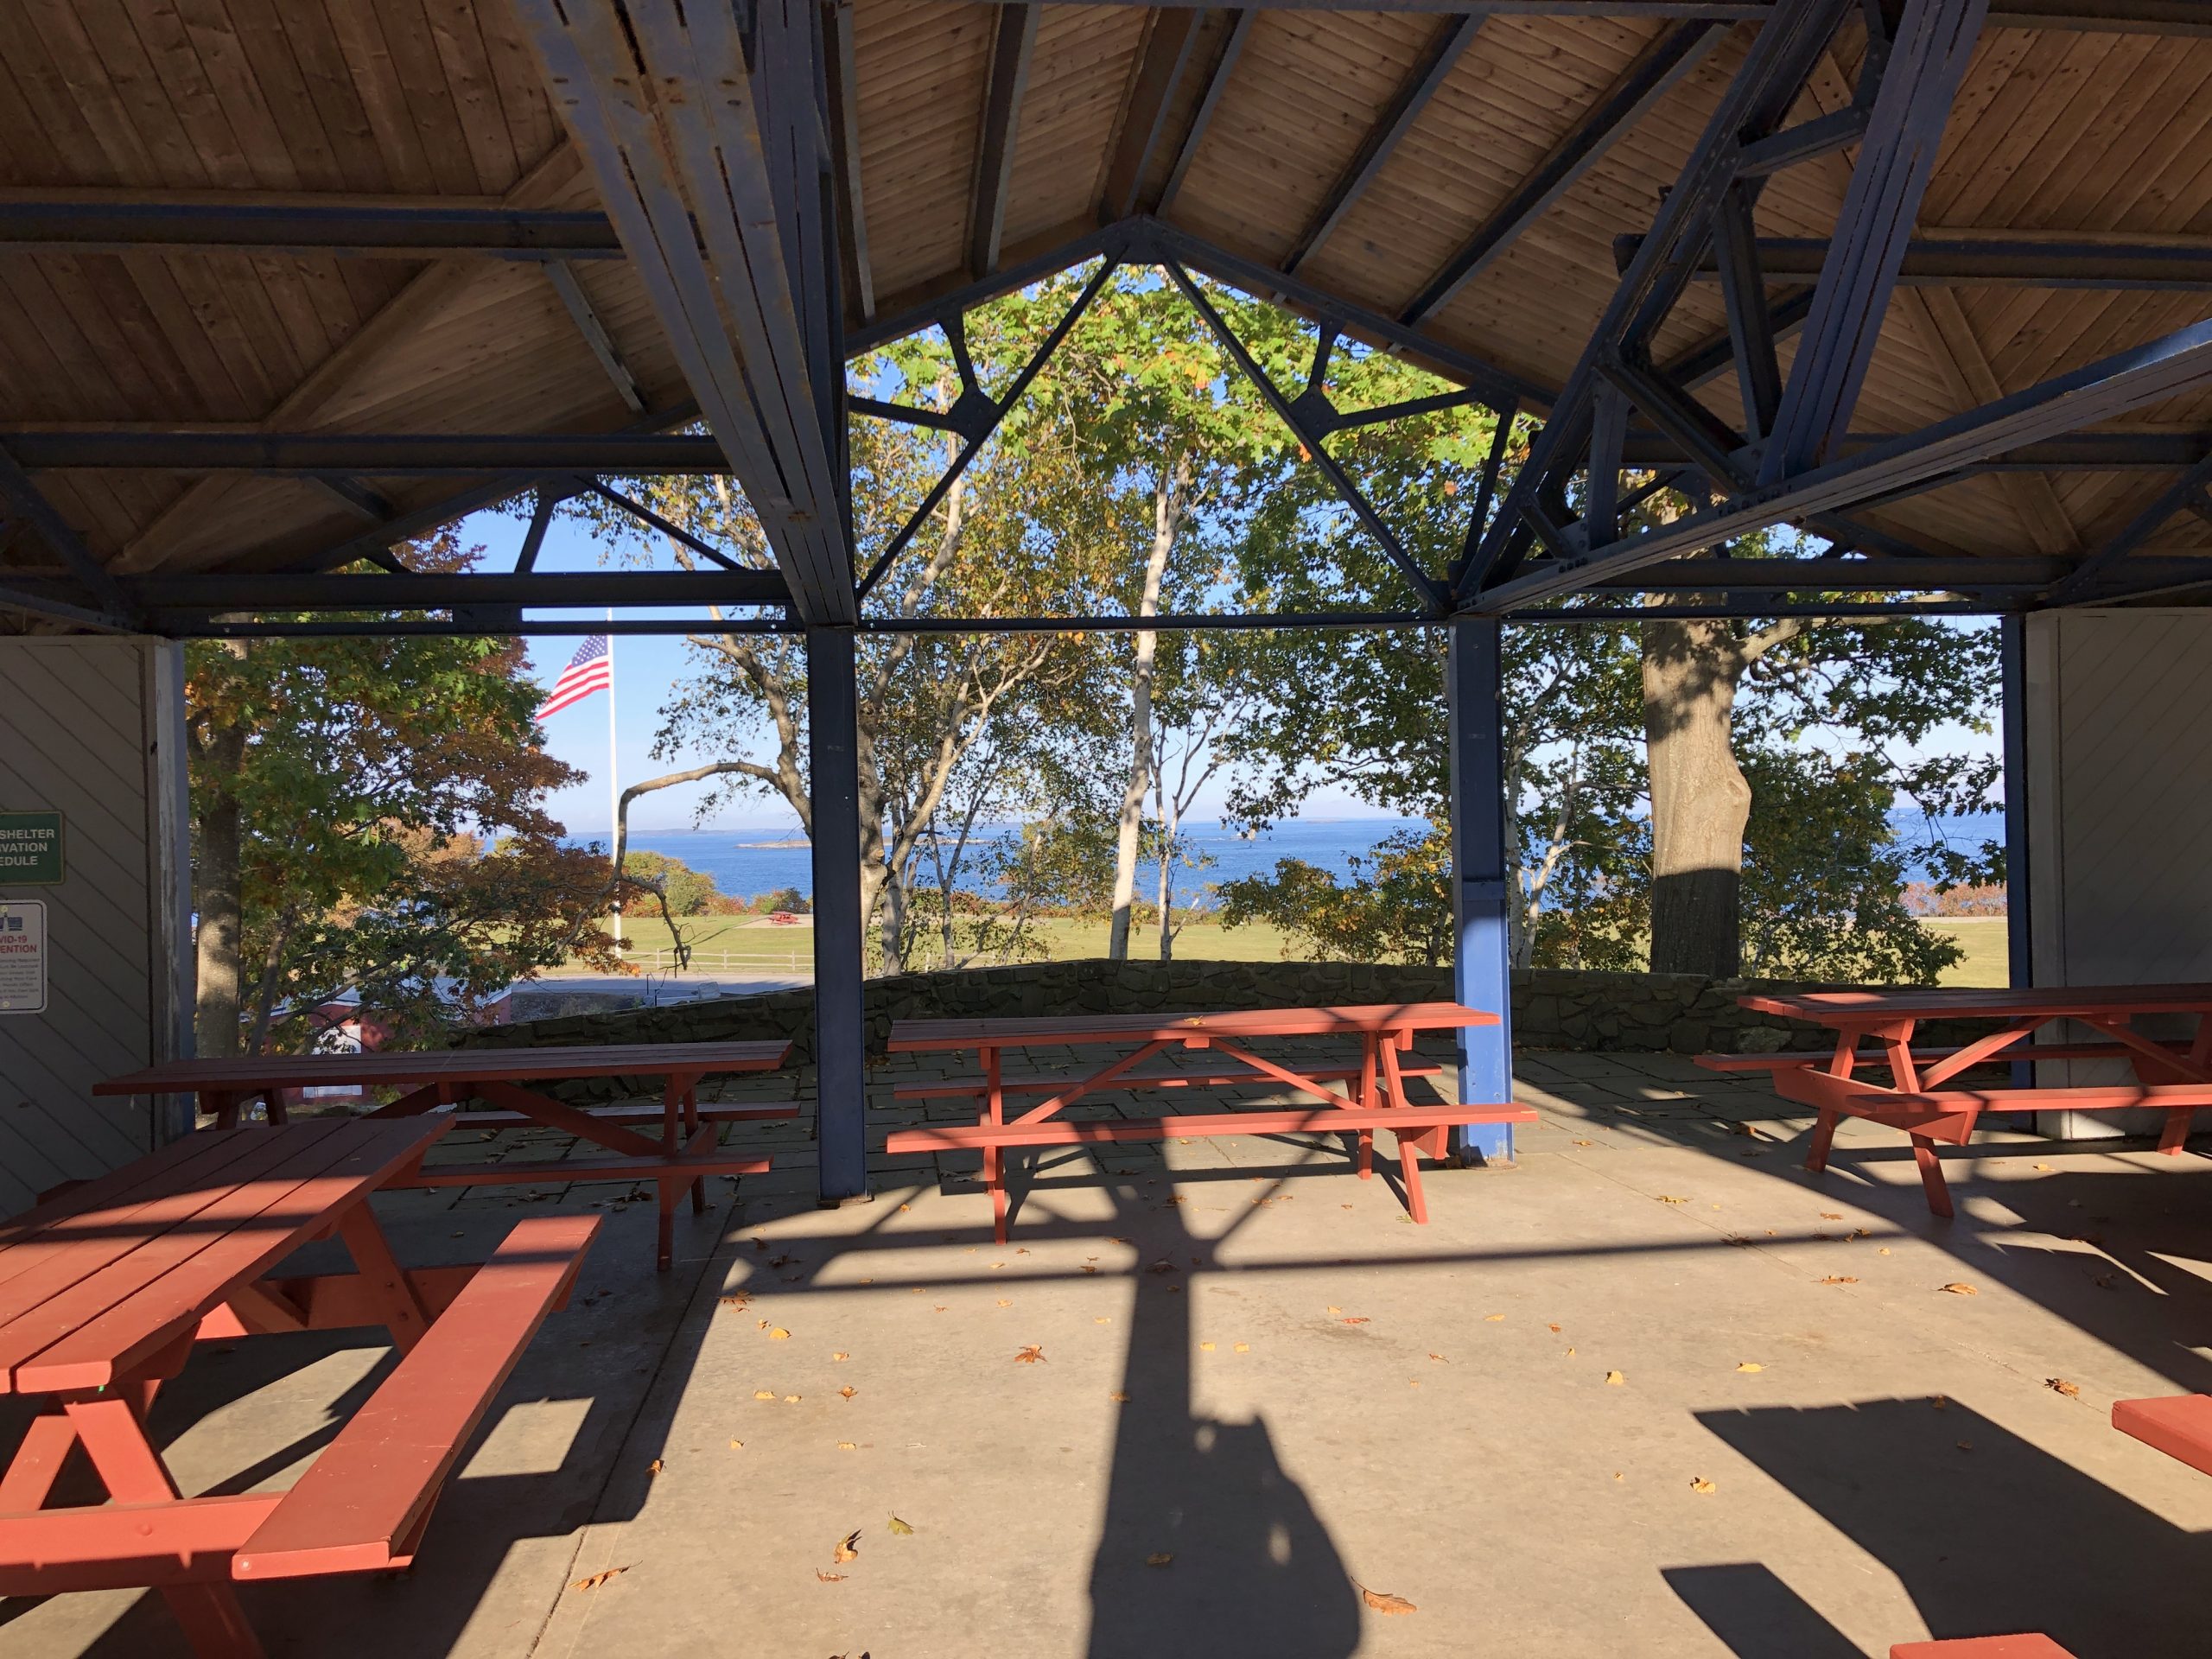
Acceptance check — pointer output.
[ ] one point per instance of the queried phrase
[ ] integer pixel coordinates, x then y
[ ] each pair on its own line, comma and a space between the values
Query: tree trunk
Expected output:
218, 894
1166, 517
1700, 801
1166, 892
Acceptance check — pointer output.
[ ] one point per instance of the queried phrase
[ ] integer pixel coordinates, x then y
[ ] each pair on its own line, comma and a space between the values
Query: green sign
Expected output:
30, 849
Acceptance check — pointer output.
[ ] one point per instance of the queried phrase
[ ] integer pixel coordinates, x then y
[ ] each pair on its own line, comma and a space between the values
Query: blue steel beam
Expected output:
1928, 55
834, 830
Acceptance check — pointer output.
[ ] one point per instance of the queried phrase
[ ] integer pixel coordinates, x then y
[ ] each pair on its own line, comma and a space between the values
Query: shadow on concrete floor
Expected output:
1989, 1533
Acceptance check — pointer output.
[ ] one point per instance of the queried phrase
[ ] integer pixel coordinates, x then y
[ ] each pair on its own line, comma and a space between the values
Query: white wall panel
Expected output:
93, 728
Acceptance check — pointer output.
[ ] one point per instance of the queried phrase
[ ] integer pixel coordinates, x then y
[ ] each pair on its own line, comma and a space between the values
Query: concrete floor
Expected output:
1258, 1390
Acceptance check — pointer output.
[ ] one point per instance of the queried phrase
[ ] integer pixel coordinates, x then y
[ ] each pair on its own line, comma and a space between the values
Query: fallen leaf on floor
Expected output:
938, 1310
1334, 1309
1884, 1250
840, 1356
1840, 1279
2060, 1385
1206, 1347
1750, 1365
2042, 1166
759, 1244
598, 1579
900, 1529
1614, 1379
1087, 1267
760, 1324
764, 1393
1570, 1353
1158, 1558
1033, 1355
1119, 1397
1960, 1288
1343, 1206
849, 1391
846, 1445
1578, 1143
849, 1548
1243, 1347
1384, 1602
1966, 1445
1663, 1199
1492, 1318
779, 1335
790, 1399
1161, 1266
1831, 1215
1438, 1358
1553, 1328
1700, 1484
1102, 1320
655, 1467
829, 1578
733, 1301
995, 1266
1941, 1402
1004, 1302
1353, 1319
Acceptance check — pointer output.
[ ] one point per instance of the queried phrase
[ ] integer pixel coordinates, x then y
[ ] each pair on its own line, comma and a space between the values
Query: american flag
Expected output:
591, 670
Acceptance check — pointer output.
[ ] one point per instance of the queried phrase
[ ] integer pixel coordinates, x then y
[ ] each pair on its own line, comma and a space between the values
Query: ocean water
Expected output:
742, 866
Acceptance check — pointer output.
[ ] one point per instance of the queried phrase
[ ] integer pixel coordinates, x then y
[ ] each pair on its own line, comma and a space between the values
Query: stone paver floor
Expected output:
1653, 1391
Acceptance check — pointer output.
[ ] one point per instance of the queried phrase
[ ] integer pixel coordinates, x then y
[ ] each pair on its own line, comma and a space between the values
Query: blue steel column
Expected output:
1482, 868
2012, 648
840, 1023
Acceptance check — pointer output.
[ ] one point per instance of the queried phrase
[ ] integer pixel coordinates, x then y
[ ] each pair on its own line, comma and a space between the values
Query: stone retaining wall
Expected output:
1684, 1014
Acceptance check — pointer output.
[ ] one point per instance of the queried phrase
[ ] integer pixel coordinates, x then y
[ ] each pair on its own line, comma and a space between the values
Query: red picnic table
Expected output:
1375, 1096
2172, 1076
103, 1290
680, 1161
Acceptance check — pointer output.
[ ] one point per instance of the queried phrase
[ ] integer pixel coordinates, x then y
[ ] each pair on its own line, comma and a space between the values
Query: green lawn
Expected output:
740, 944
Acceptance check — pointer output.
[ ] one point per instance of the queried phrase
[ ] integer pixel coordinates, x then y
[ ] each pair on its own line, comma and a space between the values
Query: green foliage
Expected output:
689, 892
1395, 904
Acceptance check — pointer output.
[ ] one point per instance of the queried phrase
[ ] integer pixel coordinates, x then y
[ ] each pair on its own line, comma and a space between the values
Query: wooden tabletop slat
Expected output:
155, 1275
191, 1158
1962, 1002
908, 1036
448, 1065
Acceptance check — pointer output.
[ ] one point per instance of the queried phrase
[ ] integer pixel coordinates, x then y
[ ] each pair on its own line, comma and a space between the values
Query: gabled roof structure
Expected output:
287, 285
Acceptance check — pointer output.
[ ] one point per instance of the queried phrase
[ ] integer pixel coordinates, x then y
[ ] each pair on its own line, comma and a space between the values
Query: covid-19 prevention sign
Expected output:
22, 956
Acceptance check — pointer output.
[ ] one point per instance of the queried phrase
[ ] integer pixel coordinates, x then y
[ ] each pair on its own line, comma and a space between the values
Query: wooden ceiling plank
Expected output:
1438, 58
183, 80
271, 144
1615, 113
274, 66
302, 28
473, 91
367, 61
1224, 64
80, 111
1952, 345
533, 128
1169, 42
221, 392
415, 65
1012, 51
562, 276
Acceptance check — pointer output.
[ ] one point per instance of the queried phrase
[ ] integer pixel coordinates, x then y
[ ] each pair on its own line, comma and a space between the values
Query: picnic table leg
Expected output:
1931, 1175
382, 1275
115, 1439
38, 1462
2174, 1135
1816, 1156
224, 1104
994, 1164
1393, 1084
1366, 1082
272, 1103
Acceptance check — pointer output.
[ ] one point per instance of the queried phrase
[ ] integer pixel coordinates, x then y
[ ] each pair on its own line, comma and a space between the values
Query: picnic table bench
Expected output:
104, 1290
1374, 1096
679, 1162
2171, 1075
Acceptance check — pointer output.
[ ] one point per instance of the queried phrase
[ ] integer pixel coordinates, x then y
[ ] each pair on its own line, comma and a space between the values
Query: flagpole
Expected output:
614, 782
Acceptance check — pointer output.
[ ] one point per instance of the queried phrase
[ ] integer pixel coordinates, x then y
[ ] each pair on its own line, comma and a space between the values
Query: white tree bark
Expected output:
1166, 521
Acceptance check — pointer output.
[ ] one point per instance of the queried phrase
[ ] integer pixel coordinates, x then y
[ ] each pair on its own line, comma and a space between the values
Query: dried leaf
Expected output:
846, 1445
900, 1529
1033, 1355
1831, 1215
1354, 1319
1840, 1279
1614, 1379
1334, 1309
2060, 1385
1119, 1397
1966, 1445
1884, 1250
1960, 1288
1004, 1302
840, 1356
829, 1578
779, 1335
1243, 1347
1384, 1602
1439, 1359
598, 1579
764, 1393
1160, 1559
848, 1550
1578, 1143
790, 1399
1206, 1347
1700, 1484
655, 1467
1492, 1318
1162, 1266
849, 1391
1663, 1199
737, 1445
1553, 1329
1940, 1403
1750, 1365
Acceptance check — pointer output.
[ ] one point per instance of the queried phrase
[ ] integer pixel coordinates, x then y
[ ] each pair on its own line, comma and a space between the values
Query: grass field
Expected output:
745, 945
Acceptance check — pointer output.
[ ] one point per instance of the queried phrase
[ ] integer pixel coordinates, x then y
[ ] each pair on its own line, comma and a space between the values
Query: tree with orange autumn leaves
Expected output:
368, 816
